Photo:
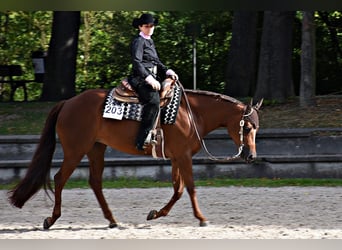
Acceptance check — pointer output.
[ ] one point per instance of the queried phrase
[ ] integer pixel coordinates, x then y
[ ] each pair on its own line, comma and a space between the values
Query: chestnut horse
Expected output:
83, 131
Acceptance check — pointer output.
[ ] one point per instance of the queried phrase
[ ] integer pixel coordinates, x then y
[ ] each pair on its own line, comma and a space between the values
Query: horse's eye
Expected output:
246, 130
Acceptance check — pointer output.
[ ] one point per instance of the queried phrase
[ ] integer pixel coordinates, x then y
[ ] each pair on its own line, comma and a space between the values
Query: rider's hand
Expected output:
173, 74
153, 82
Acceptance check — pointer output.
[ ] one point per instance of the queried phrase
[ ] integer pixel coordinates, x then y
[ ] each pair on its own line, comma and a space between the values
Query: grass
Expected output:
20, 118
218, 182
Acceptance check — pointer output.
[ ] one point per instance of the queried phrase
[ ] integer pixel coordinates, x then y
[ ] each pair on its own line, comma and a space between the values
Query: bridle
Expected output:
204, 147
241, 145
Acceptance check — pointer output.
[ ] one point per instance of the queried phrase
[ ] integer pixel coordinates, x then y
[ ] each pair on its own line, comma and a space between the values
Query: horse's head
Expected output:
248, 127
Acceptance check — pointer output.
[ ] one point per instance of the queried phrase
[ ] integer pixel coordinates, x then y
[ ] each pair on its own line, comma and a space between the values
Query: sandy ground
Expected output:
233, 212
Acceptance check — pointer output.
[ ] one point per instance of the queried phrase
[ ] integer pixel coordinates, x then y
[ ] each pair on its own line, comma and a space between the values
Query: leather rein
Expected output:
204, 147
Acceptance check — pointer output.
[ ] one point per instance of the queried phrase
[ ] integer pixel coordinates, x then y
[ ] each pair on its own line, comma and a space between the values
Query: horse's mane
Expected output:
213, 94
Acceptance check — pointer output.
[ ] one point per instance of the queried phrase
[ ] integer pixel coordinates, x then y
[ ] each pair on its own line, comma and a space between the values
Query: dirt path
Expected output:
233, 212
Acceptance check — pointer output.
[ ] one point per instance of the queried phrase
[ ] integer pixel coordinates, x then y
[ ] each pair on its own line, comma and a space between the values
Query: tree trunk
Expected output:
275, 61
59, 82
241, 72
308, 61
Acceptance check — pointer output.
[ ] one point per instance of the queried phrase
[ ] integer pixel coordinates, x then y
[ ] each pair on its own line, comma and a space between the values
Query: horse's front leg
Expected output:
197, 212
186, 173
178, 187
181, 174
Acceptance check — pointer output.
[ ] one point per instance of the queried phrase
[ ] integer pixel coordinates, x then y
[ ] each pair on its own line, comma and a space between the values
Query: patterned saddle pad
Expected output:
119, 110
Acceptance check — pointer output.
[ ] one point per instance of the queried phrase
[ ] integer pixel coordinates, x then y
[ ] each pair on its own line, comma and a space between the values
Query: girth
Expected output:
125, 93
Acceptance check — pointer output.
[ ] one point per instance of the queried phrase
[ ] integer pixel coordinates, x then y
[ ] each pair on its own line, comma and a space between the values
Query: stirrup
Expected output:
150, 139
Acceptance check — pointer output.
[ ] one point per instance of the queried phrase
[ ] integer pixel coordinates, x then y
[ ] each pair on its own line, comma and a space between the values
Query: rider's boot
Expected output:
149, 116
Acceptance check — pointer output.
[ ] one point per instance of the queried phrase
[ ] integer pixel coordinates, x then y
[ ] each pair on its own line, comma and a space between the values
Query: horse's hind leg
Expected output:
96, 160
178, 187
68, 166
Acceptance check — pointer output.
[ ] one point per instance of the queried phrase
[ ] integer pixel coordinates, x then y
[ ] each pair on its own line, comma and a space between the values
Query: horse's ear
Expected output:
251, 102
258, 105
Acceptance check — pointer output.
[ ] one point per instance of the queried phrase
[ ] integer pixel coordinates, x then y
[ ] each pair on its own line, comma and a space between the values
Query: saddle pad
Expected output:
118, 110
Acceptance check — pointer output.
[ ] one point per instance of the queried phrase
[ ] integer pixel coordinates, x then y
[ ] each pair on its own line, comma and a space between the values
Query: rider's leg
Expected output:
150, 98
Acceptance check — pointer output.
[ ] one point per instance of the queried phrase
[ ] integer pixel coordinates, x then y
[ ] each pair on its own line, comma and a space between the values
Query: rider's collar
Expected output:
144, 36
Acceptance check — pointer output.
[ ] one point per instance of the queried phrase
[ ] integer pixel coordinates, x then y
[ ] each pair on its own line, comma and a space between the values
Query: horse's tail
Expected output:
38, 173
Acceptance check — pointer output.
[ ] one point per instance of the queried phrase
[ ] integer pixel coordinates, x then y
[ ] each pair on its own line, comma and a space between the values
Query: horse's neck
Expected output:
211, 111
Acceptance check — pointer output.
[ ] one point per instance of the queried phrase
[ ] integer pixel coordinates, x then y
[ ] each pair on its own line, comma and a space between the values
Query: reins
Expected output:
204, 147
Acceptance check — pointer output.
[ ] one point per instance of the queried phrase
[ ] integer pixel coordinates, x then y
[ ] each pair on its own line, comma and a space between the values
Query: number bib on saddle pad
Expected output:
118, 110
114, 110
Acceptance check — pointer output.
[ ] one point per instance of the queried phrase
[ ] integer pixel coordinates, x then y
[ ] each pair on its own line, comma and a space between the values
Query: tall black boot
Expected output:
148, 119
150, 98
140, 139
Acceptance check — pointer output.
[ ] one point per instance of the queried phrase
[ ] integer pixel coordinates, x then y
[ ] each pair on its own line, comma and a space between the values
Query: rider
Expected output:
144, 78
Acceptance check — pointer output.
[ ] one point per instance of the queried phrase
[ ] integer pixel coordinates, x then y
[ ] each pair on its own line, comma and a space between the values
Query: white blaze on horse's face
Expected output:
251, 126
249, 151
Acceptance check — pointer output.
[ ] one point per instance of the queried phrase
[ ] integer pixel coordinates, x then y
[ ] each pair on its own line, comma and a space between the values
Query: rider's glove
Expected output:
153, 82
171, 73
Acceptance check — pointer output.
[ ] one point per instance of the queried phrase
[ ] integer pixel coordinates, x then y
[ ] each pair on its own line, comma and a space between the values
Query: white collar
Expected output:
144, 36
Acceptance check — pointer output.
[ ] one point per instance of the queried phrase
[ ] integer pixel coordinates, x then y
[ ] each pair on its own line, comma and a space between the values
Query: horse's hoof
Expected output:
47, 223
204, 223
113, 225
152, 215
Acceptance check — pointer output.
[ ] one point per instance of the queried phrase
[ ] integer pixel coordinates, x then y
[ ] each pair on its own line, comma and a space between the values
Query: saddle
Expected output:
125, 93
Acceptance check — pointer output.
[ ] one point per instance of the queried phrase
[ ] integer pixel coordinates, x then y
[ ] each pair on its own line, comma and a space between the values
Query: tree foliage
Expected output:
103, 50
21, 33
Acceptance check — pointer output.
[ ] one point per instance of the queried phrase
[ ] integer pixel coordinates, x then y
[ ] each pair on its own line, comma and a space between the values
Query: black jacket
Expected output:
144, 56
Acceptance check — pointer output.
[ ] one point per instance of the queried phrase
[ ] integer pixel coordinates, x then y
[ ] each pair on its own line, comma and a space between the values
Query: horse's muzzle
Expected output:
248, 155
